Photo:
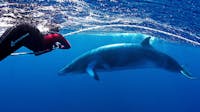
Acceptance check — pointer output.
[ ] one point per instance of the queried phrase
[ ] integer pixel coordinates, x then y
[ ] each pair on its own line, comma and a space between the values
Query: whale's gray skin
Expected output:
122, 56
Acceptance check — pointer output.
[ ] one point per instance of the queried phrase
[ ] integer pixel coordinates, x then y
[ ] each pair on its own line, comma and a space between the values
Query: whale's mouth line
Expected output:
139, 27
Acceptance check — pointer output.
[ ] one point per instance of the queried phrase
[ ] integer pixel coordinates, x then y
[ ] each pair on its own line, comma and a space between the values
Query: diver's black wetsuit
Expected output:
13, 39
29, 36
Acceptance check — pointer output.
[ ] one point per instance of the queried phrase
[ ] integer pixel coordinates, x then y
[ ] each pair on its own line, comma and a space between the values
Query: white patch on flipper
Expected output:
90, 70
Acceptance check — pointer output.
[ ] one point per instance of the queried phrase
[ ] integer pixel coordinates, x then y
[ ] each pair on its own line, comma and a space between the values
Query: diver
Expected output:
29, 36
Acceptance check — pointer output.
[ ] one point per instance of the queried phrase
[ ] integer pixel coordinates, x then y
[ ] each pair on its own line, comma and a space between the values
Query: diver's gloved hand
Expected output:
57, 45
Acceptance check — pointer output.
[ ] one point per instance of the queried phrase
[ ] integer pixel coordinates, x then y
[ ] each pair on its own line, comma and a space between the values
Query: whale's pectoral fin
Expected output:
145, 42
91, 71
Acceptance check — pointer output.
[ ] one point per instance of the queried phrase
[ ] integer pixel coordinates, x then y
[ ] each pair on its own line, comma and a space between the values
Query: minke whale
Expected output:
123, 56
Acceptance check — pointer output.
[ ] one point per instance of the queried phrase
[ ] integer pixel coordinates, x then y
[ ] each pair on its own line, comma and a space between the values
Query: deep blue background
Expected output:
31, 84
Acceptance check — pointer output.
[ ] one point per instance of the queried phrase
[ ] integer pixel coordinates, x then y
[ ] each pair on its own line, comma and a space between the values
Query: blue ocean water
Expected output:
31, 84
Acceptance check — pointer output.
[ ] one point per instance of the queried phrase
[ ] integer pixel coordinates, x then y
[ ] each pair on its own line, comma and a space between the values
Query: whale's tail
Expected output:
186, 74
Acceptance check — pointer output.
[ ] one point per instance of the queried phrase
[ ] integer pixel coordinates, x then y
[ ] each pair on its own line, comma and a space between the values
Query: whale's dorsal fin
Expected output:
145, 42
91, 71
